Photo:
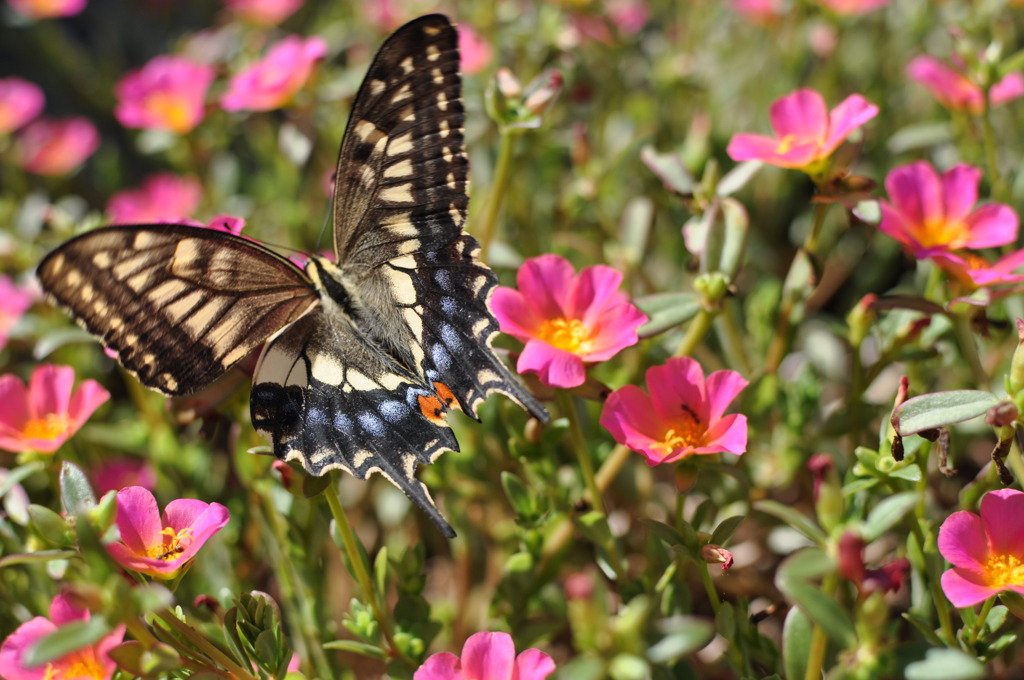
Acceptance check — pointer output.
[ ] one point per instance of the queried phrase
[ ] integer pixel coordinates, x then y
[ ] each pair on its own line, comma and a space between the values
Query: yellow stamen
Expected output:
684, 433
81, 664
172, 544
1005, 570
939, 232
787, 143
568, 334
50, 426
173, 109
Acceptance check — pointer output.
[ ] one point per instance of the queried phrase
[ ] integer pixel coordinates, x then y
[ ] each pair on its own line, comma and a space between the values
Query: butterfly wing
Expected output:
180, 305
399, 208
330, 400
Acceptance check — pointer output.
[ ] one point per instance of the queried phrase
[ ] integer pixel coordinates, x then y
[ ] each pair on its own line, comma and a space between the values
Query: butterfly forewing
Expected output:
180, 305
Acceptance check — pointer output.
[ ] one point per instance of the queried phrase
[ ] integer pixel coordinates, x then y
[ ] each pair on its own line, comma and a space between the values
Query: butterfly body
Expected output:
362, 357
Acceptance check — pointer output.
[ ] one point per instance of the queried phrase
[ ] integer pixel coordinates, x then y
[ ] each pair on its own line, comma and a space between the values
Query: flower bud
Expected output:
1015, 382
716, 554
542, 91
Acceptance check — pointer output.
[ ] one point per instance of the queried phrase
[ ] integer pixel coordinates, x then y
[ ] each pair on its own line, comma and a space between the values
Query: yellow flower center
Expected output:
76, 665
568, 334
1005, 570
173, 109
939, 232
50, 426
787, 143
171, 546
685, 432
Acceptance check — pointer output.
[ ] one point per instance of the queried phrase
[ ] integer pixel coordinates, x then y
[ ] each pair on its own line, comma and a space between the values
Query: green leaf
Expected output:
945, 664
737, 178
663, 531
356, 647
380, 571
683, 635
314, 486
796, 640
666, 310
35, 557
938, 409
669, 168
823, 611
887, 514
76, 495
518, 495
724, 531
792, 518
66, 639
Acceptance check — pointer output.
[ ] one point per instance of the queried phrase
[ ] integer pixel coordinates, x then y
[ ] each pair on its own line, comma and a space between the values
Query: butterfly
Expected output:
363, 357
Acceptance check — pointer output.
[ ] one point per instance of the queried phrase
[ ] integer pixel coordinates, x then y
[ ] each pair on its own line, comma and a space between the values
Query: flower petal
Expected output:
554, 367
544, 281
533, 664
991, 226
13, 404
802, 114
49, 390
488, 656
89, 396
629, 417
202, 519
516, 315
849, 115
750, 147
1009, 88
64, 610
1001, 513
962, 540
441, 666
595, 289
916, 192
727, 435
962, 591
679, 382
17, 644
138, 519
721, 387
960, 191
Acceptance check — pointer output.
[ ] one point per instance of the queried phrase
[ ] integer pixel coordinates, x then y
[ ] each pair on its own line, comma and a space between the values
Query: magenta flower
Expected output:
271, 82
475, 53
56, 147
956, 91
162, 545
115, 474
264, 12
682, 416
87, 663
163, 197
853, 7
487, 656
41, 416
759, 11
566, 319
14, 301
806, 133
930, 214
20, 102
987, 552
168, 93
47, 9
974, 271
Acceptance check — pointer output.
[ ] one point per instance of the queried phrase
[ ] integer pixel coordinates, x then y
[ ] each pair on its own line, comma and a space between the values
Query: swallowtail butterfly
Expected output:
362, 357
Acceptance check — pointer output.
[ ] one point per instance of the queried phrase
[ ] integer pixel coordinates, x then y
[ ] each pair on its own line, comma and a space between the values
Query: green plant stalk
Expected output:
695, 332
290, 582
819, 639
988, 139
979, 623
206, 646
567, 406
502, 175
965, 338
360, 569
916, 527
854, 396
732, 342
817, 224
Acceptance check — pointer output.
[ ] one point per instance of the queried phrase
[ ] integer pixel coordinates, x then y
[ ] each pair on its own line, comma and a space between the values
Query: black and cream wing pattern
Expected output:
363, 356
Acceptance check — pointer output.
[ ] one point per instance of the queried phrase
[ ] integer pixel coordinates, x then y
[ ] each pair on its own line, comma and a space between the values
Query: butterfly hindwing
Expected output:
180, 305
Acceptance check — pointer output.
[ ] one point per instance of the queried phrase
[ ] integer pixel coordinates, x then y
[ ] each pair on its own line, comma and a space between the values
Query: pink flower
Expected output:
474, 52
14, 301
759, 11
974, 271
47, 9
264, 12
56, 147
92, 662
931, 214
271, 82
161, 546
853, 7
168, 93
117, 473
41, 416
806, 132
630, 16
163, 197
487, 656
681, 417
956, 91
987, 552
566, 319
20, 102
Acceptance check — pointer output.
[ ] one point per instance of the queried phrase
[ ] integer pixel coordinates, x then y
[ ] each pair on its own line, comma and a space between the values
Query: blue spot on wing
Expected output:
372, 424
393, 411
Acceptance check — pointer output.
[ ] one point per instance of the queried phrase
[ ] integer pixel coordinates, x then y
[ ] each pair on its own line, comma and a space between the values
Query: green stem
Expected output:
695, 332
818, 223
303, 604
819, 639
567, 406
979, 623
502, 175
988, 137
732, 342
969, 348
360, 566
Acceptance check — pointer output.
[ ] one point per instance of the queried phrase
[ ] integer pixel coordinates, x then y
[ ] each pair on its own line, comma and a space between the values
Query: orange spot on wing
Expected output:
445, 394
433, 409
